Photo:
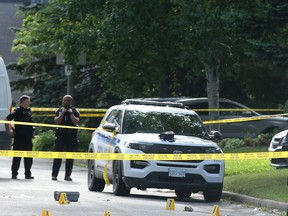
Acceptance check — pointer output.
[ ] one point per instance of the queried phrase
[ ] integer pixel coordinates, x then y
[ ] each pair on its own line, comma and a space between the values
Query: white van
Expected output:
5, 105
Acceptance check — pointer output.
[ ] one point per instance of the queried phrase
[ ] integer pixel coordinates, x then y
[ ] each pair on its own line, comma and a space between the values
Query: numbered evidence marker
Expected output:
215, 211
170, 204
107, 213
45, 213
63, 199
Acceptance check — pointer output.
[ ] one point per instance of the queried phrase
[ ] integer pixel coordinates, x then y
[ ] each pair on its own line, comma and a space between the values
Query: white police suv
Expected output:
146, 127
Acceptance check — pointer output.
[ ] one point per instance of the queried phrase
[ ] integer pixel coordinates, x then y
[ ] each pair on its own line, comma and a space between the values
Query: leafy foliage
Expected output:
157, 48
260, 34
236, 143
231, 143
45, 141
44, 77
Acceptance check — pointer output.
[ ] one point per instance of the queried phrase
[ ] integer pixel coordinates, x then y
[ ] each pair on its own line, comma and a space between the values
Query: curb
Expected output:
270, 204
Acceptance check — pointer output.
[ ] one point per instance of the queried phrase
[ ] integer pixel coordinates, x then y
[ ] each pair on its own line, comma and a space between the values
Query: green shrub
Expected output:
84, 138
231, 143
284, 107
45, 141
260, 140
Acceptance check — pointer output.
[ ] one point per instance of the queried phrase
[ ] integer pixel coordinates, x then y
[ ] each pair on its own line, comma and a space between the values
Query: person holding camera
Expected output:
66, 138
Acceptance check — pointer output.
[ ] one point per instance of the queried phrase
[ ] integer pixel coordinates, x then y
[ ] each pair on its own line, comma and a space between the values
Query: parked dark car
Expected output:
237, 129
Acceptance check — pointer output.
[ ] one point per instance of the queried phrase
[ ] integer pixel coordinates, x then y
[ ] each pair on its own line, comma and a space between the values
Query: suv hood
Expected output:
178, 140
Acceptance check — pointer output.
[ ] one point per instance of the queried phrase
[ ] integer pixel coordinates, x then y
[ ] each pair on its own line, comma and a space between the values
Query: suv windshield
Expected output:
157, 122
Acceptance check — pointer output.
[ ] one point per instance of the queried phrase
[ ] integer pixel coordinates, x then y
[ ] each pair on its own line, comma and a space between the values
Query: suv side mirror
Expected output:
216, 135
109, 126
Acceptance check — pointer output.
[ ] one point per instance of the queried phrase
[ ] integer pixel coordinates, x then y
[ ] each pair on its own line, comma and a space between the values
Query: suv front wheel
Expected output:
119, 187
94, 183
213, 195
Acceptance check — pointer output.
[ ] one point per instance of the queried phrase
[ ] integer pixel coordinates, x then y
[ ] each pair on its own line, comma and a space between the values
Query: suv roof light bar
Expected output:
152, 103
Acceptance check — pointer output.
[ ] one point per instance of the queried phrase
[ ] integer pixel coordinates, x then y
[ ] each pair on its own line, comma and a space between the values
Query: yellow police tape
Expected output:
42, 109
111, 156
235, 120
45, 125
82, 115
92, 112
147, 157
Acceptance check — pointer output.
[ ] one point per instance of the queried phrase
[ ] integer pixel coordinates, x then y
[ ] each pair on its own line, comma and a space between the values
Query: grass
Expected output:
255, 177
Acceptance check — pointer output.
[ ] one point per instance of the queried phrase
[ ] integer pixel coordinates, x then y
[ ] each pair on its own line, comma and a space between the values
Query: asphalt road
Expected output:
32, 197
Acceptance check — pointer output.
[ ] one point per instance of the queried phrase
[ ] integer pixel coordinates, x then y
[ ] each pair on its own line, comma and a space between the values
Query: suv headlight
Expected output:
212, 168
139, 164
144, 147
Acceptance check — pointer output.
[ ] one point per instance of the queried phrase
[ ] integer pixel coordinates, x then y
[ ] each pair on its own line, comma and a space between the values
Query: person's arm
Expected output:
8, 127
74, 119
9, 130
59, 117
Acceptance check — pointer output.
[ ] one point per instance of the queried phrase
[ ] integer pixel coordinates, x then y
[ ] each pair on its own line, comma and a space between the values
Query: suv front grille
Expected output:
177, 165
170, 149
163, 177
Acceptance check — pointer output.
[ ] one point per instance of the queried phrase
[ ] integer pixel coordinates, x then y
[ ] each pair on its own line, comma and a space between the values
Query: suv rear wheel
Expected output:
119, 187
94, 183
213, 195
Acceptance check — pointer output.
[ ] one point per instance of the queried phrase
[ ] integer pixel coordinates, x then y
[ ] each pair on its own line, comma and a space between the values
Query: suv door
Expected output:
236, 129
108, 137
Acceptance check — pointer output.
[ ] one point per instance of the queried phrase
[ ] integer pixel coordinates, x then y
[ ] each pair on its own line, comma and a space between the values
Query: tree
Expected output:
46, 33
260, 32
140, 46
155, 48
207, 45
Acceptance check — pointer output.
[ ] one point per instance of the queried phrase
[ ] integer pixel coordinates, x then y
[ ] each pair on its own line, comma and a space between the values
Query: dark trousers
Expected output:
64, 142
22, 143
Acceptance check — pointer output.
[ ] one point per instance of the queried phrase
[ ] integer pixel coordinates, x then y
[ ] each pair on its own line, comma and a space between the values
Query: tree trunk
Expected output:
212, 76
70, 85
164, 85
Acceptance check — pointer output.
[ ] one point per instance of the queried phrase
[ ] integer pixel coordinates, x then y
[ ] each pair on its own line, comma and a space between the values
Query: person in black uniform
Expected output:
22, 135
66, 138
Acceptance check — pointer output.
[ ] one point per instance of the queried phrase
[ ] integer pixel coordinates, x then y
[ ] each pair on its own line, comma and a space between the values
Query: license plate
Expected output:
177, 172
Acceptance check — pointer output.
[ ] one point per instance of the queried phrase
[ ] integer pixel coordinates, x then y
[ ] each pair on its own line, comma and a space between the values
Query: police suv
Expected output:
148, 127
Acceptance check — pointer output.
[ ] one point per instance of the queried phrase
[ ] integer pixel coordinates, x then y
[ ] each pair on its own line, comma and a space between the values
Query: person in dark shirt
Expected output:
22, 135
66, 138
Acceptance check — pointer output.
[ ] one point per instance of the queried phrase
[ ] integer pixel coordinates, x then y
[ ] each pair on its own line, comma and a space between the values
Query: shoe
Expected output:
14, 177
29, 177
54, 178
68, 178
